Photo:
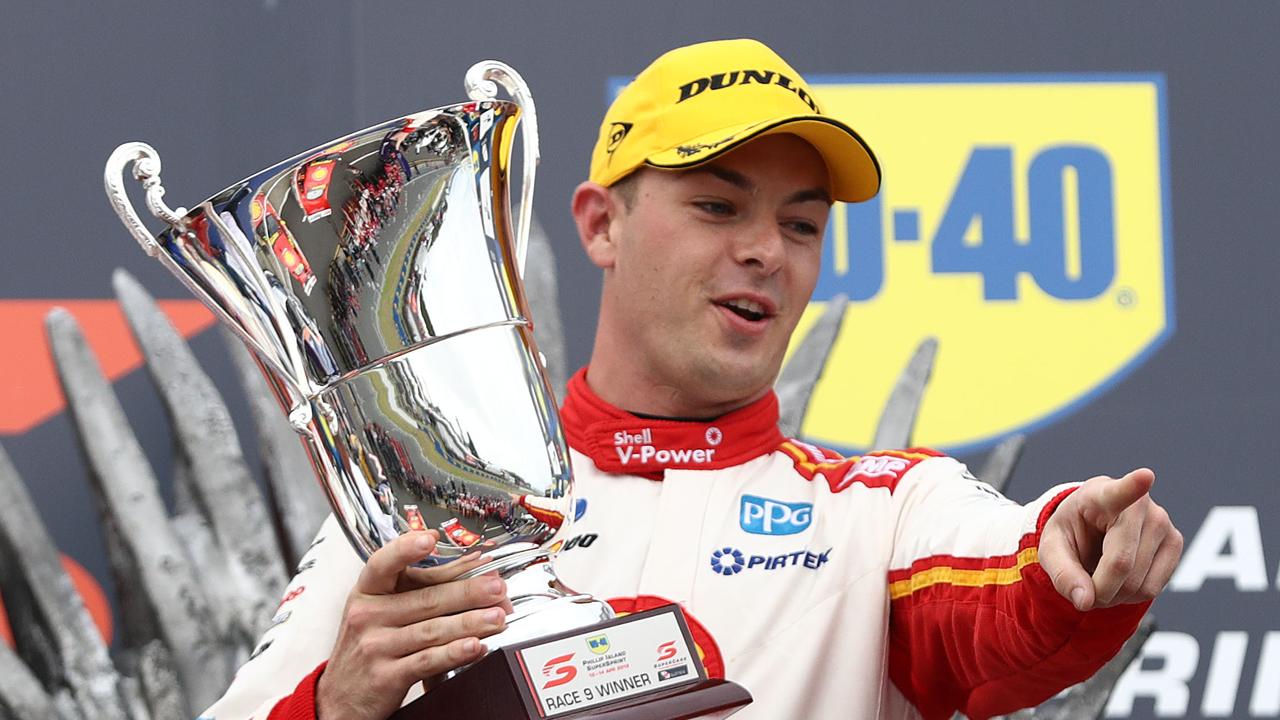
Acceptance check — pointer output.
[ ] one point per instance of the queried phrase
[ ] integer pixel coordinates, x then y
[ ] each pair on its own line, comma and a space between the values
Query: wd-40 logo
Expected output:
731, 561
762, 516
1023, 222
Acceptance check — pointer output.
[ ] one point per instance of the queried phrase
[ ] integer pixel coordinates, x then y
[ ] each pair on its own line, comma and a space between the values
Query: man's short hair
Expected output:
625, 187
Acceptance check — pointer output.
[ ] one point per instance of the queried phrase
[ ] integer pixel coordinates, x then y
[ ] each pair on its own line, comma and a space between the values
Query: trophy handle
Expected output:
482, 82
146, 170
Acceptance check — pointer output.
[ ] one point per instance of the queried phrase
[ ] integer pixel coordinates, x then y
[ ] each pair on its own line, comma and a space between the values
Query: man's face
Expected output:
710, 269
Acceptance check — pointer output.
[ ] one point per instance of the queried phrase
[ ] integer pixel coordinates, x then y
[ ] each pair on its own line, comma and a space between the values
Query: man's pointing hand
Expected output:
1109, 543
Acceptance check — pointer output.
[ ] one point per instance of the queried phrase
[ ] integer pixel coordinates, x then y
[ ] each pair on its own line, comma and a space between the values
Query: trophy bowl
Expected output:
377, 279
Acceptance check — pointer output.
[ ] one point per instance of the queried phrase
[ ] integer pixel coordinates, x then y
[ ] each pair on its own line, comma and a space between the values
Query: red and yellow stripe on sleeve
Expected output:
989, 635
960, 572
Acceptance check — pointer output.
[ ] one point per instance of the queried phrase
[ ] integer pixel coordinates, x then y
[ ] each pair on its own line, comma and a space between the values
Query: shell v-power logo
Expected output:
1024, 222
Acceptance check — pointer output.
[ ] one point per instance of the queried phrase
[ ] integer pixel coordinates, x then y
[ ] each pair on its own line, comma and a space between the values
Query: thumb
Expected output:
1061, 563
1117, 495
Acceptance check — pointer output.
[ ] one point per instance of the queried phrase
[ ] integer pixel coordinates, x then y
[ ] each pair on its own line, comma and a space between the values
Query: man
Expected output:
892, 585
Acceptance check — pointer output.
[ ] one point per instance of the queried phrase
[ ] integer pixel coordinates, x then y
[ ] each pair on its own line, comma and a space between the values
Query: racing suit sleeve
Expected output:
975, 624
278, 681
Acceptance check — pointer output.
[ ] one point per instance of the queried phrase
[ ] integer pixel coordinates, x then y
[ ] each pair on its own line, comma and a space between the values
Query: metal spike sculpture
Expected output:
998, 468
542, 290
223, 489
899, 416
51, 626
799, 378
23, 695
185, 632
160, 596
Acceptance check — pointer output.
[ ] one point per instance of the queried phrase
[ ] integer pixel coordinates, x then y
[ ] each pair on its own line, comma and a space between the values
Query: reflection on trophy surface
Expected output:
378, 280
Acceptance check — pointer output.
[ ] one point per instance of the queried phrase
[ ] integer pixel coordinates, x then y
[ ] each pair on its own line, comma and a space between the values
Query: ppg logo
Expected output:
762, 516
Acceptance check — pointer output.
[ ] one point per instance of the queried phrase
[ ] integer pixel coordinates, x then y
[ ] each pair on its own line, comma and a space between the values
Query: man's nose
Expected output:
761, 246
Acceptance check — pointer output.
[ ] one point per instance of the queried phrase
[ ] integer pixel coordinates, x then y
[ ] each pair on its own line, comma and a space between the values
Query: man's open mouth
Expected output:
746, 309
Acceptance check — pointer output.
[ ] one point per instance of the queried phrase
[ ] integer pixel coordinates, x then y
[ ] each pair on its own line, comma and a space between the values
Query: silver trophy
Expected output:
377, 279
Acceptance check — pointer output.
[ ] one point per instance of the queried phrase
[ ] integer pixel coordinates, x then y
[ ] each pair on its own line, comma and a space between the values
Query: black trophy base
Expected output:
498, 687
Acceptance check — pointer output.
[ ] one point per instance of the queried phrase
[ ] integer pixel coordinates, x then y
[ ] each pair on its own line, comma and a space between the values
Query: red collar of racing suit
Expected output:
620, 442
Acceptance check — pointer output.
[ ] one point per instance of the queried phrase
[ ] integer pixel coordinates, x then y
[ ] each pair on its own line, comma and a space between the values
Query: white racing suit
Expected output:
890, 585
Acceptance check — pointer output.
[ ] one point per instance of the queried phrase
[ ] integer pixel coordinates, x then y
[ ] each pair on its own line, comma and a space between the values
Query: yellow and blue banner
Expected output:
1024, 222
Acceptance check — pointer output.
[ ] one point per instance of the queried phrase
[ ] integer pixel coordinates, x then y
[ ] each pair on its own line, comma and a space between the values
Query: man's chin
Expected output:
736, 380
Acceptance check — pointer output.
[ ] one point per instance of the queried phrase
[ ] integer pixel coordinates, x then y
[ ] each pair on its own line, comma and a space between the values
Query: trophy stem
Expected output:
507, 563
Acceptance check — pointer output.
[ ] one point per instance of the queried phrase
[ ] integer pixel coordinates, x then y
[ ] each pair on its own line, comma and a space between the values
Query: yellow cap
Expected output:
695, 103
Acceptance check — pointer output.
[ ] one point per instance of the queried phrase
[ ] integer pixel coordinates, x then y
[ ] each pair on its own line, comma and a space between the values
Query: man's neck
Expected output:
631, 388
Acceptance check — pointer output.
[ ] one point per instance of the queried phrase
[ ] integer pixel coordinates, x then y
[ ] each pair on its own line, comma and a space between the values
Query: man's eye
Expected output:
714, 207
803, 227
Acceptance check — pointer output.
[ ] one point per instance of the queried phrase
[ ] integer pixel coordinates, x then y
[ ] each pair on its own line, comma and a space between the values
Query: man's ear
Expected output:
593, 208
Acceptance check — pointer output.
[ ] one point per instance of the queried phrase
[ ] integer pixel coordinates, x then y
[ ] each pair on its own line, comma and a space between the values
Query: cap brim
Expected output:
855, 172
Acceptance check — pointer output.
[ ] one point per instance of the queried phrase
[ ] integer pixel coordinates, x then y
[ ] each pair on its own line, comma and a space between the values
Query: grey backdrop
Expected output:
222, 89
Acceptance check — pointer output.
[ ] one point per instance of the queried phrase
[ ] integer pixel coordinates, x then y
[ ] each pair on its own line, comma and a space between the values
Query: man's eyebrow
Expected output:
742, 182
809, 195
732, 177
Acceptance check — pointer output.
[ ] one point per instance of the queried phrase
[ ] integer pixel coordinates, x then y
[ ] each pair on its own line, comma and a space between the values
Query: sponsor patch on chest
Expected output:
646, 454
730, 561
766, 516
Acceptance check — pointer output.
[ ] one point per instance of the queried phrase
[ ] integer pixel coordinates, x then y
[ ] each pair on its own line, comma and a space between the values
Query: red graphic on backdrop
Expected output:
90, 592
29, 390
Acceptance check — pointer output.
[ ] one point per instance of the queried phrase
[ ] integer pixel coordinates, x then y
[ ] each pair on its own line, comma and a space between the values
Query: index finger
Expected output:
1119, 554
384, 566
1114, 497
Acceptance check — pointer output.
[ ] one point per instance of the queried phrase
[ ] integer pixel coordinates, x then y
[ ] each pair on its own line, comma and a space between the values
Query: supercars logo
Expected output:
704, 643
667, 650
560, 669
1028, 232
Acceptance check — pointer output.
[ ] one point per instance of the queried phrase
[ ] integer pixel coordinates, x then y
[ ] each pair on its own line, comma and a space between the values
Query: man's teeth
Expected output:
753, 309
